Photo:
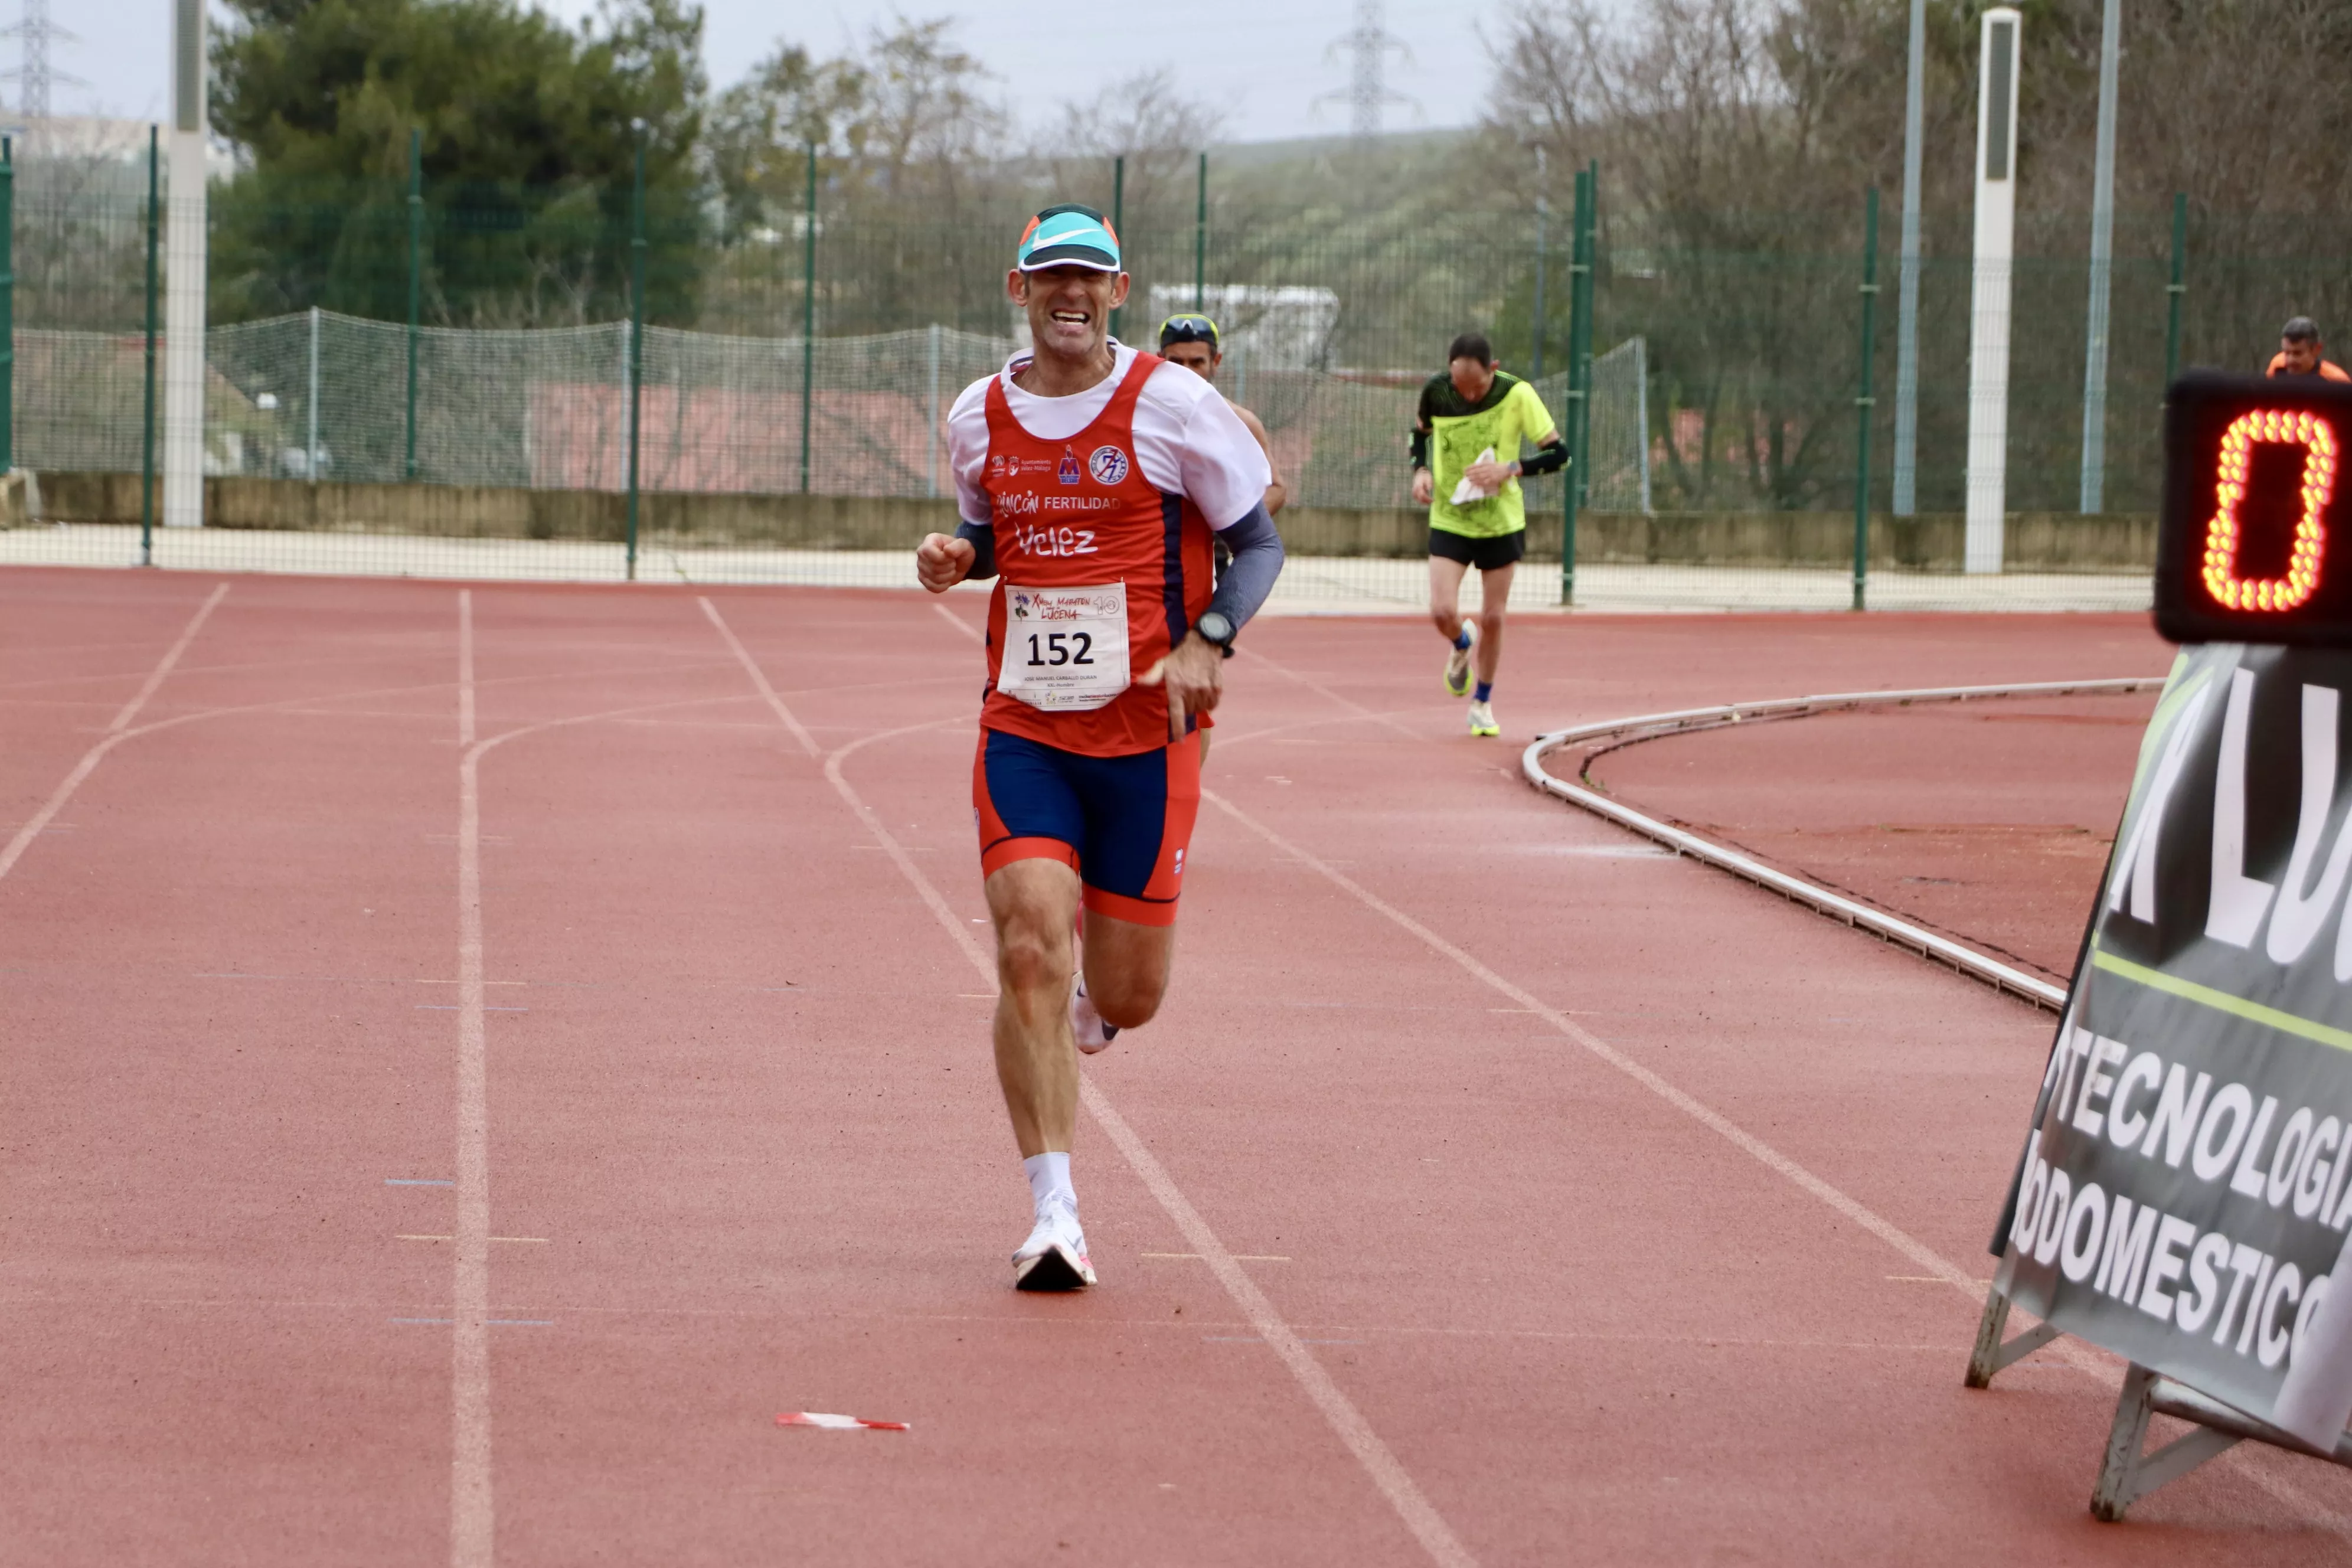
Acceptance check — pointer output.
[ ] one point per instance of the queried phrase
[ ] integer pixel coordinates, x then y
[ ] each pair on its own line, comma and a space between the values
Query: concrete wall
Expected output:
2037, 541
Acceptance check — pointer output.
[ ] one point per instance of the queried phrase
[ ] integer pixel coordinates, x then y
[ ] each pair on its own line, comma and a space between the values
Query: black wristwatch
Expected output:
1216, 626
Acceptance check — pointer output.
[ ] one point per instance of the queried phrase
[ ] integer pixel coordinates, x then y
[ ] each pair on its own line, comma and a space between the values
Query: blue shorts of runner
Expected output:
1122, 824
1489, 554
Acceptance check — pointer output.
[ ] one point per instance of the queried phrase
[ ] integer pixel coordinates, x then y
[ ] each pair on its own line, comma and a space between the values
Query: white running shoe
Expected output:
1055, 1256
1457, 663
1482, 720
1087, 1026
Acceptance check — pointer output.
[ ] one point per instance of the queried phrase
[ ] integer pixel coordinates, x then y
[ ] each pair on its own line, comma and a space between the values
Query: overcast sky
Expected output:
1262, 64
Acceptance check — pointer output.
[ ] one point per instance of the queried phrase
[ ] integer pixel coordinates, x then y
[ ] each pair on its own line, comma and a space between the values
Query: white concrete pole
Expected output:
2102, 232
1996, 244
1907, 320
184, 294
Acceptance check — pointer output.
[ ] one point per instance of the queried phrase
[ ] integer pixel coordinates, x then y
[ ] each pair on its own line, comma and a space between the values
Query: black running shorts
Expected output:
1487, 555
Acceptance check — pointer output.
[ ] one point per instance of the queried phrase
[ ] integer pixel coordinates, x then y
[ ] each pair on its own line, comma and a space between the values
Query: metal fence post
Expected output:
1536, 310
147, 427
932, 453
1586, 282
2092, 497
2176, 288
1578, 267
636, 337
1118, 225
808, 312
312, 464
1865, 405
7, 305
416, 283
1201, 241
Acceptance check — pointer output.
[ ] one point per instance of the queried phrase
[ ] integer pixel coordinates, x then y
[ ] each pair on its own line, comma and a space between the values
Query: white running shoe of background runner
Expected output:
1087, 1026
1055, 1256
1482, 720
1457, 663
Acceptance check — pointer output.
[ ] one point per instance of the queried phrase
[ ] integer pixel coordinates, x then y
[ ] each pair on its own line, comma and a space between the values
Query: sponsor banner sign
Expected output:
2184, 1199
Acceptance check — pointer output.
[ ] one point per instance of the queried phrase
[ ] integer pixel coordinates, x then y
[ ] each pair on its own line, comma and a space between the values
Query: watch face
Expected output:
1215, 627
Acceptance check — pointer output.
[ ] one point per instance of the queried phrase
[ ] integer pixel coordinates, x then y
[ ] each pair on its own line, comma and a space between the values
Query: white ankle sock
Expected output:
1049, 1177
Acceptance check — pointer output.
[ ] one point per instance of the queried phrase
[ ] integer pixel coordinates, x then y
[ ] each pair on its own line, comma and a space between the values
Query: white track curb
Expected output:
1651, 726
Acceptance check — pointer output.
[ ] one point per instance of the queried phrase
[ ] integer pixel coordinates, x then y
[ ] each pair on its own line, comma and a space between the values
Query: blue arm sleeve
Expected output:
982, 536
1258, 561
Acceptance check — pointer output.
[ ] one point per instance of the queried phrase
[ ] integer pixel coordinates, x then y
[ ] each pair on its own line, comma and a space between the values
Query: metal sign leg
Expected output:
2129, 1475
1991, 1355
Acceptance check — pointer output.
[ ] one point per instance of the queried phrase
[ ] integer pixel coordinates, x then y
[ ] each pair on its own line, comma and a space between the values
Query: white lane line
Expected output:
1427, 1525
759, 679
470, 1533
116, 733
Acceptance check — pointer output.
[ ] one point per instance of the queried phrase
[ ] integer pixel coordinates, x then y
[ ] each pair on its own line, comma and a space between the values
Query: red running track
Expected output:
1557, 1202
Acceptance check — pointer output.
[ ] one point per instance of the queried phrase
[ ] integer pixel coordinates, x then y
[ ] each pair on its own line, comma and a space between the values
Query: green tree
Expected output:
529, 138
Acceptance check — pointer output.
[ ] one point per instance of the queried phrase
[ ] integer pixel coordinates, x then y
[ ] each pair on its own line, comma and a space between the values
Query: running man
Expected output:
2301, 353
1190, 340
1477, 419
1090, 477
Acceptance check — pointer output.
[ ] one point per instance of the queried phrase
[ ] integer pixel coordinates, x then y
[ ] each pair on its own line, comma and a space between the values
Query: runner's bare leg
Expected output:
1034, 903
1446, 594
1127, 967
1496, 585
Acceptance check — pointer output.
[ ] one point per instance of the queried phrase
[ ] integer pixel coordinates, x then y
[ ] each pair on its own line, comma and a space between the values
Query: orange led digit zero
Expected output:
2316, 437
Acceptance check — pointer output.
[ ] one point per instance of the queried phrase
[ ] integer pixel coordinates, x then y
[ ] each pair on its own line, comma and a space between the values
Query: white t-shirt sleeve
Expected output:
1189, 442
968, 450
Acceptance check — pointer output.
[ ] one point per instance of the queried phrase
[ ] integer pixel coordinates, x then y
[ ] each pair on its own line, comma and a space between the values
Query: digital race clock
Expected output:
2255, 541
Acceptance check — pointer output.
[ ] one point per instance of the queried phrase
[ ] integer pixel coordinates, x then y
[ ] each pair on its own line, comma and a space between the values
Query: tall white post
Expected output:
2103, 231
183, 296
1989, 314
1907, 320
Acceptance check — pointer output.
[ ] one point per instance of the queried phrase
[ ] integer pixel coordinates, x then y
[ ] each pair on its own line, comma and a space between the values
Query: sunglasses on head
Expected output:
1188, 328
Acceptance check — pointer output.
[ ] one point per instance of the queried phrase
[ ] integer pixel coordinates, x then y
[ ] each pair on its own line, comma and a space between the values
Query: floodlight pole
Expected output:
1536, 310
1989, 316
185, 381
2103, 228
8, 304
1906, 319
2175, 289
1579, 268
1118, 225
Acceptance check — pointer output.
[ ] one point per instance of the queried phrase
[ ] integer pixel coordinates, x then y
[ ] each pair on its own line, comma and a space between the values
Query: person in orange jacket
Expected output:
2301, 353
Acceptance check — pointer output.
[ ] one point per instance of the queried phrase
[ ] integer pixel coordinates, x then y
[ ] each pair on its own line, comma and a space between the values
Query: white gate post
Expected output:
1988, 317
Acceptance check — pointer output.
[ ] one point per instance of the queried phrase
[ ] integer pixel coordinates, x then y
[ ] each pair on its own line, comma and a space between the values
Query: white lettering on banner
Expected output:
2209, 1159
2086, 1222
2097, 1084
2211, 1251
2125, 1127
2247, 1177
2297, 918
2311, 1180
2239, 900
2286, 1160
2127, 1251
2175, 1115
2136, 860
2165, 1264
1062, 540
1064, 648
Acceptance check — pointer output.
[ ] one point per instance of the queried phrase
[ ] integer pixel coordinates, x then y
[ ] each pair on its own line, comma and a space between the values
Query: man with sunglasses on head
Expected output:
1467, 463
1090, 477
1190, 338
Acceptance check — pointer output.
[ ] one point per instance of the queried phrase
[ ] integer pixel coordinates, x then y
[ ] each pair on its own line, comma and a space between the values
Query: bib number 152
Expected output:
1047, 649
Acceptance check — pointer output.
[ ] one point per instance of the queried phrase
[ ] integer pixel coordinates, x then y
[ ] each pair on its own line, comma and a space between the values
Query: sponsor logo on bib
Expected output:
1069, 472
1108, 465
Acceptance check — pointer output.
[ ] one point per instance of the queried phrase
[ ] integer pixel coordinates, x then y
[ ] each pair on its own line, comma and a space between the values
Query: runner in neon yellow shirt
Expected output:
1473, 423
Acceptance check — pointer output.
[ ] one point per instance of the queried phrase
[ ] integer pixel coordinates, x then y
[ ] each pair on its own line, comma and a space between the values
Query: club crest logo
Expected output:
1069, 472
1108, 465
1018, 602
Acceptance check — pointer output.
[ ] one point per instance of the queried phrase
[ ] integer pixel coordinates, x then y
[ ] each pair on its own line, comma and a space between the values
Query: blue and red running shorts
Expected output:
1121, 823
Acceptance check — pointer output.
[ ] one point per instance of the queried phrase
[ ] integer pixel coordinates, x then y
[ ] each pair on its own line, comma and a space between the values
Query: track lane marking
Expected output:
117, 732
1395, 1485
471, 1516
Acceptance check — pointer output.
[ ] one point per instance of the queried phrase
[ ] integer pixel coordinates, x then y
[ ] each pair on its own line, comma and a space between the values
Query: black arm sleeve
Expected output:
1258, 561
982, 536
1548, 459
1420, 449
